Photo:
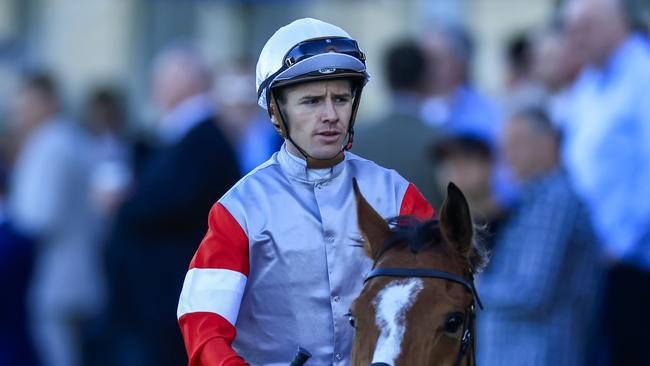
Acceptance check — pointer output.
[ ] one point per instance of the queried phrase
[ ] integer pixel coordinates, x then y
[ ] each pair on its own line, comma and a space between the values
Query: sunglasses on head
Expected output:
306, 49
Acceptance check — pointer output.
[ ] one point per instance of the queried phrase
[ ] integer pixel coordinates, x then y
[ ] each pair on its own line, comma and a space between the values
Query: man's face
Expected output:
472, 174
168, 85
318, 114
554, 63
30, 108
592, 27
525, 149
444, 69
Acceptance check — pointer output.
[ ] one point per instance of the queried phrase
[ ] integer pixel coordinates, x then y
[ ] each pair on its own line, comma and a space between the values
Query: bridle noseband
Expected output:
469, 324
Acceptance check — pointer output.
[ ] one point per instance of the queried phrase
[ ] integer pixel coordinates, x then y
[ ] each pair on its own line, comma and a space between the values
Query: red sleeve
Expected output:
225, 245
208, 336
415, 204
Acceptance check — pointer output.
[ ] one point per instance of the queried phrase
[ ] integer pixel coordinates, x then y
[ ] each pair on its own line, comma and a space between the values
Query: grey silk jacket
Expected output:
282, 262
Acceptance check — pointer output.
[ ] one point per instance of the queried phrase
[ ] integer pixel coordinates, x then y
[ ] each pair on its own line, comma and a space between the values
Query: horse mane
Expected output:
419, 235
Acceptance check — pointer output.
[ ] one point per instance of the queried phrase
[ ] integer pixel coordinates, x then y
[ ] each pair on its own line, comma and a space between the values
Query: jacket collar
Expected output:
296, 168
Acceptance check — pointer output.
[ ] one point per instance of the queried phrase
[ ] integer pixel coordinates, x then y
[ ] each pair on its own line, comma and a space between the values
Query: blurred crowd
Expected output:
99, 214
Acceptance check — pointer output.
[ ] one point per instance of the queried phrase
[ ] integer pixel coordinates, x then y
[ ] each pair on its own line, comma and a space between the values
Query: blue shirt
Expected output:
467, 112
539, 289
607, 149
258, 143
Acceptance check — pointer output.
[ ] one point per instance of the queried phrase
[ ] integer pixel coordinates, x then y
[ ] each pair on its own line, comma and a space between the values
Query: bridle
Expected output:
469, 327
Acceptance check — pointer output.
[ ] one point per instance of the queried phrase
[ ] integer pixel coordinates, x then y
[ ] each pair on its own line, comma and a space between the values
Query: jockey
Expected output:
281, 261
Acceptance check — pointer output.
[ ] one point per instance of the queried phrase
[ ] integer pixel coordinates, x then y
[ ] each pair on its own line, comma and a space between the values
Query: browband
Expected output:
421, 272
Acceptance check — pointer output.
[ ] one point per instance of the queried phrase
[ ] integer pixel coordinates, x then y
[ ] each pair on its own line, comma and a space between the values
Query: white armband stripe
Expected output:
212, 290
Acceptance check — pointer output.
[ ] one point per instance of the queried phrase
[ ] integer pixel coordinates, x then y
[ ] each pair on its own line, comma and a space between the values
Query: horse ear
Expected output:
456, 221
373, 227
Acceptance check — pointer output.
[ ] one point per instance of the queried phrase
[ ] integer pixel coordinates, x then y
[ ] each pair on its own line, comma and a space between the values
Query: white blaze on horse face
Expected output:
391, 305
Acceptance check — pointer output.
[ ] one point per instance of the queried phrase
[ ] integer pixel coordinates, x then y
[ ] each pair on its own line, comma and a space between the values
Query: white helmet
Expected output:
309, 50
303, 47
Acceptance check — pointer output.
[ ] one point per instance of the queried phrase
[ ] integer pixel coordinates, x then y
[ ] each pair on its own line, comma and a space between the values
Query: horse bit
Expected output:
468, 326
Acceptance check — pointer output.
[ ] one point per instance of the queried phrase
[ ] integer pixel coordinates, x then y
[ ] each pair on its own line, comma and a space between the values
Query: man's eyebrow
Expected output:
321, 96
312, 96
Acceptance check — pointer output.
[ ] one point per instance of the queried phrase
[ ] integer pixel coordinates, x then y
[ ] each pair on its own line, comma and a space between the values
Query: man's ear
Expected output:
373, 227
275, 116
273, 110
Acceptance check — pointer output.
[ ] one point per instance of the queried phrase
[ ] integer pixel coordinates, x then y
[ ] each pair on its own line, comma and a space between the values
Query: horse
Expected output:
417, 305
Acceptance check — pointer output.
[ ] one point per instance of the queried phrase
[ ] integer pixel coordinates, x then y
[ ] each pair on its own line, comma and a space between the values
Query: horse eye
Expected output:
352, 319
453, 323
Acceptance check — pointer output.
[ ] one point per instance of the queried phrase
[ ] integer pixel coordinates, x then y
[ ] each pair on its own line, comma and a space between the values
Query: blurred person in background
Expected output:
402, 127
453, 102
50, 201
519, 59
159, 224
16, 260
22, 118
556, 67
522, 86
607, 152
468, 161
542, 284
248, 129
105, 117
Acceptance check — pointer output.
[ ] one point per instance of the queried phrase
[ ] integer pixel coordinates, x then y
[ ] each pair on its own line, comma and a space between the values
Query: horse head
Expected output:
417, 304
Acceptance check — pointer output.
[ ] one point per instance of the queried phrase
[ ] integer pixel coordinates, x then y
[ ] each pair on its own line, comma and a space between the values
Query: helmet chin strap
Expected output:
312, 162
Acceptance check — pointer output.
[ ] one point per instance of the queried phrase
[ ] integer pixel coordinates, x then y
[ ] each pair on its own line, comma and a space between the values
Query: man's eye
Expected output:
311, 101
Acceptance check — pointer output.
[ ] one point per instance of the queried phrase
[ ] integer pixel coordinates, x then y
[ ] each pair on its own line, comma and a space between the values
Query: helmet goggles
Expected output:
306, 49
347, 52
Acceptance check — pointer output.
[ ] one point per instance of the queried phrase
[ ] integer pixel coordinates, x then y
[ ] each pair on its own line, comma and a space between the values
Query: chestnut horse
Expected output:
417, 306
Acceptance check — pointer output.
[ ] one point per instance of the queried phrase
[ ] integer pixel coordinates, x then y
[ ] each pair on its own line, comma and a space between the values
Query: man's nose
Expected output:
329, 112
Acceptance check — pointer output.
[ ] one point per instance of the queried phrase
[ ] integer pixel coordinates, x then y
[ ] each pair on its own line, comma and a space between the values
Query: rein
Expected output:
469, 327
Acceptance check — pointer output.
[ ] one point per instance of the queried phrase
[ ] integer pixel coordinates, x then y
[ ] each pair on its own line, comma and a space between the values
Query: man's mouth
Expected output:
329, 133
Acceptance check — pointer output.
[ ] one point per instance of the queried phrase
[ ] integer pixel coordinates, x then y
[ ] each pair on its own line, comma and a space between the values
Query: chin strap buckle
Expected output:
348, 146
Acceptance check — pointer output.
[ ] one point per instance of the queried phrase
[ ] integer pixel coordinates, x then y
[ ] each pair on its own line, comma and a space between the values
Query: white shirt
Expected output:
179, 121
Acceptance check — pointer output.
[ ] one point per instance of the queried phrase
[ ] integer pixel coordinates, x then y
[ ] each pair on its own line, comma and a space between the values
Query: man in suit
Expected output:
402, 128
158, 227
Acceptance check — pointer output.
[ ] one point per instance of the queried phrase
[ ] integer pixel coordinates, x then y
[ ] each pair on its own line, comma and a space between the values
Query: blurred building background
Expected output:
110, 91
92, 42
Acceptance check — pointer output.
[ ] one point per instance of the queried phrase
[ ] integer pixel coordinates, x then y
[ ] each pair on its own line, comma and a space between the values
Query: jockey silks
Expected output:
283, 260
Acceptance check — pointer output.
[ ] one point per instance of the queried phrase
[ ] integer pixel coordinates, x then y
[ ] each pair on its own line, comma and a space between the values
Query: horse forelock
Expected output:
412, 232
420, 235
